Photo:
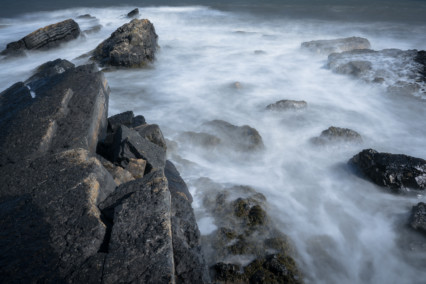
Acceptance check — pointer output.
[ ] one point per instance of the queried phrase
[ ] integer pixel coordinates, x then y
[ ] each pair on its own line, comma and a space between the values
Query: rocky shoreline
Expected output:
92, 198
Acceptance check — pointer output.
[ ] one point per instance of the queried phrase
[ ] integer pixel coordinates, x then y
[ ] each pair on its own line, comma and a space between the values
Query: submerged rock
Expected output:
44, 38
132, 45
153, 133
200, 139
394, 171
287, 105
337, 134
418, 217
133, 13
336, 45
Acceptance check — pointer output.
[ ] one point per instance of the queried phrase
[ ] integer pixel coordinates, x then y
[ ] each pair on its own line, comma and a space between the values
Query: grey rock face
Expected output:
68, 112
241, 138
418, 217
337, 134
132, 45
336, 45
50, 220
200, 139
127, 119
394, 171
133, 13
44, 38
153, 133
287, 105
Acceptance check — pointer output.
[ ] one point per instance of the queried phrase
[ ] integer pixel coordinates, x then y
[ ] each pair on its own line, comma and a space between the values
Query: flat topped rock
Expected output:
44, 38
394, 171
337, 134
131, 45
283, 105
336, 45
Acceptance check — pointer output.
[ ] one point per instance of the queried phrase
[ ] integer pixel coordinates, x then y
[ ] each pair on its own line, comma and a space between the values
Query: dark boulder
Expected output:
336, 135
127, 119
287, 105
50, 220
394, 171
418, 217
336, 45
421, 59
153, 133
132, 45
133, 13
68, 111
44, 38
241, 138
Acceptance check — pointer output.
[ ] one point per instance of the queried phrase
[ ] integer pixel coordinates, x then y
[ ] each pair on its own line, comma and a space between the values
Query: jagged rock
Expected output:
355, 68
153, 133
241, 138
127, 119
44, 38
418, 217
133, 13
68, 111
132, 45
337, 134
50, 220
287, 105
129, 144
136, 167
421, 59
200, 139
394, 171
336, 45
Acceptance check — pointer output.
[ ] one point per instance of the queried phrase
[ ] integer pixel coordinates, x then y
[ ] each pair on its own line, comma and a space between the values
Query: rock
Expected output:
200, 139
68, 112
336, 135
418, 217
129, 144
176, 184
127, 119
152, 132
50, 220
136, 167
133, 13
93, 29
44, 38
47, 70
421, 59
394, 171
242, 138
287, 105
355, 68
86, 17
132, 45
336, 45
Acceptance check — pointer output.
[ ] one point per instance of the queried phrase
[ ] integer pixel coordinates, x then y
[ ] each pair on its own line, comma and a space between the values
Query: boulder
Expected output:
68, 111
200, 139
153, 133
132, 45
394, 171
241, 138
336, 134
50, 219
44, 38
421, 59
336, 45
287, 105
418, 217
126, 118
133, 13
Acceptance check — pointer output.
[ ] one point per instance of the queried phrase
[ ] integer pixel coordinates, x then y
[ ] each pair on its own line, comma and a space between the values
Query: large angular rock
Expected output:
50, 221
394, 171
126, 118
418, 217
68, 111
336, 45
44, 38
153, 133
336, 135
132, 45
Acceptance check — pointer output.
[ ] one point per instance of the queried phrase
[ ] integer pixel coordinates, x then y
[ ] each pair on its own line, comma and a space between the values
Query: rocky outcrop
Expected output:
418, 217
44, 38
401, 72
337, 135
84, 200
284, 105
394, 171
241, 138
132, 45
246, 247
336, 45
133, 13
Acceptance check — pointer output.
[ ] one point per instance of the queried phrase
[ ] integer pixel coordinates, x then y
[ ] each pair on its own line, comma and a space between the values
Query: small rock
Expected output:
86, 16
93, 29
153, 133
200, 139
337, 134
336, 45
136, 167
418, 217
355, 68
287, 105
133, 13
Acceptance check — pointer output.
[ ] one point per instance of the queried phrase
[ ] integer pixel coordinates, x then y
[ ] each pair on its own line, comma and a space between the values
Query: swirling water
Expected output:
345, 229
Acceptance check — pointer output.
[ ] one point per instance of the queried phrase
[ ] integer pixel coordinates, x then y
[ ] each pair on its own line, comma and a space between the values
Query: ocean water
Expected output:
345, 229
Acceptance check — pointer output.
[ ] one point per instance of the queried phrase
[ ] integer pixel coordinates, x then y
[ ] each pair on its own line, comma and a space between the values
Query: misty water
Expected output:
345, 229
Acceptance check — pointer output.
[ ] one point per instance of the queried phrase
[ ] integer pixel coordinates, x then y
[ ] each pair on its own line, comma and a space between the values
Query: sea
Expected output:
228, 60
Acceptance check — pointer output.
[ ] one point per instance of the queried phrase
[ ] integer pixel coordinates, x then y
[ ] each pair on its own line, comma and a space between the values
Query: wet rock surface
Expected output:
284, 105
337, 135
246, 247
336, 45
132, 45
133, 13
44, 38
394, 171
418, 218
